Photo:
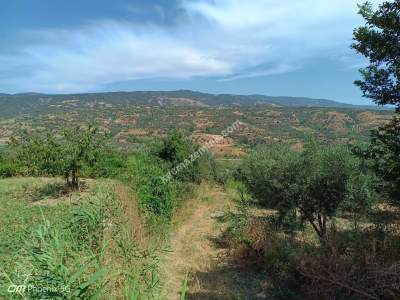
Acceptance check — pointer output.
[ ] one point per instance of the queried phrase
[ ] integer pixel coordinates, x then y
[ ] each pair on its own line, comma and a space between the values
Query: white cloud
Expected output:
229, 39
276, 69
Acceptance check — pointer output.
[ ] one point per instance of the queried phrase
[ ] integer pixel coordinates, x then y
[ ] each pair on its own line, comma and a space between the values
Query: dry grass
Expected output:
196, 247
126, 235
192, 249
132, 215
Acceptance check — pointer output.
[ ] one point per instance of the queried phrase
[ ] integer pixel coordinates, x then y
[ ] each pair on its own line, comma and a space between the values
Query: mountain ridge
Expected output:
12, 104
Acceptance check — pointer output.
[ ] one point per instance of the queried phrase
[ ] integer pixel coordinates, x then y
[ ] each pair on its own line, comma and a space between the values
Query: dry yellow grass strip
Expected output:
192, 246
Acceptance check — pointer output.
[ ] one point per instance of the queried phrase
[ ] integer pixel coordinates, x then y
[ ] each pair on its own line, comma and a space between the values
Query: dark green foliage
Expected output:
379, 41
79, 147
37, 153
174, 150
268, 172
157, 197
109, 164
383, 154
314, 183
147, 169
326, 173
7, 167
50, 155
178, 152
361, 197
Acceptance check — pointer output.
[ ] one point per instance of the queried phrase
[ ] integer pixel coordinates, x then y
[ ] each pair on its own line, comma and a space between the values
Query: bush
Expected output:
176, 149
358, 265
7, 168
269, 172
156, 196
109, 164
158, 199
146, 170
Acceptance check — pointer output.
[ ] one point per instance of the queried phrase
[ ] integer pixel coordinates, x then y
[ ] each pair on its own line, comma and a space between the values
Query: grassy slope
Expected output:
134, 263
89, 240
19, 214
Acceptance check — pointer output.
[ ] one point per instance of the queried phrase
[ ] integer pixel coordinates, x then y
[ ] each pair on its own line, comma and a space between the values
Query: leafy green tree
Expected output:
326, 174
66, 155
37, 153
314, 184
79, 147
361, 196
379, 41
383, 155
270, 172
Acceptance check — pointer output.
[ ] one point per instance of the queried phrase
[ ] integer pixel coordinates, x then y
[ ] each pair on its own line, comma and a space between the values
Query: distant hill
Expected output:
34, 102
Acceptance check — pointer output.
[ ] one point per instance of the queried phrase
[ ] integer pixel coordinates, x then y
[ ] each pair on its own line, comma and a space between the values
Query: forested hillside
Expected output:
36, 102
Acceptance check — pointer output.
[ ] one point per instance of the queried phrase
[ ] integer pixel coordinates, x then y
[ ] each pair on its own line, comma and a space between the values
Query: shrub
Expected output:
156, 196
109, 164
176, 149
269, 173
7, 168
359, 264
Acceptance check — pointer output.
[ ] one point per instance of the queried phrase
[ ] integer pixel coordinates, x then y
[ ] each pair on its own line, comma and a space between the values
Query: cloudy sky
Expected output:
272, 47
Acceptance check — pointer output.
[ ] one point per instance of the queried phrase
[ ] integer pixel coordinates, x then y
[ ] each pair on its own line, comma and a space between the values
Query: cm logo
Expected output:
20, 289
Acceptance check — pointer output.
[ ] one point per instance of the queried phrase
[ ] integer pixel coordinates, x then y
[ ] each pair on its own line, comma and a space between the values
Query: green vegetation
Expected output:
324, 218
383, 155
310, 207
176, 149
132, 125
7, 166
378, 41
147, 169
349, 246
70, 249
47, 155
314, 184
35, 102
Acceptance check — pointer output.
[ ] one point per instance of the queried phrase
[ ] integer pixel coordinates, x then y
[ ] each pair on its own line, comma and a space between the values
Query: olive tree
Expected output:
313, 184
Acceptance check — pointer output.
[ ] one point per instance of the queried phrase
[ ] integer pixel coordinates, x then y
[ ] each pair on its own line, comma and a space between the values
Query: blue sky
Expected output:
272, 47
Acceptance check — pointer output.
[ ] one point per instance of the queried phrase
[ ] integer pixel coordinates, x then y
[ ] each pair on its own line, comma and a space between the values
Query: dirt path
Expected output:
196, 249
192, 246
